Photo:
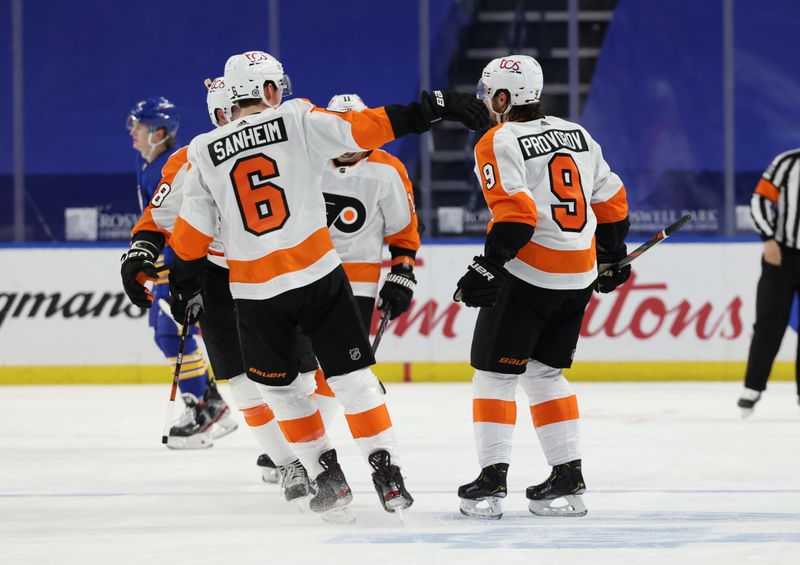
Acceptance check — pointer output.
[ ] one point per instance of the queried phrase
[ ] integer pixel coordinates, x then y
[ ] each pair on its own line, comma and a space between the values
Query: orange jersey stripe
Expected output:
277, 263
369, 423
188, 242
490, 410
615, 209
768, 190
554, 411
557, 260
363, 272
505, 207
301, 430
371, 128
258, 415
323, 388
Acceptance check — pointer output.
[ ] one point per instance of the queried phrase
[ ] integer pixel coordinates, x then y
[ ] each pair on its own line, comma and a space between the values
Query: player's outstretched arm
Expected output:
334, 133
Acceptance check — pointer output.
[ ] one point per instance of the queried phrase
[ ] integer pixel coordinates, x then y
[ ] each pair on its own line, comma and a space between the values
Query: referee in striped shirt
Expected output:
775, 208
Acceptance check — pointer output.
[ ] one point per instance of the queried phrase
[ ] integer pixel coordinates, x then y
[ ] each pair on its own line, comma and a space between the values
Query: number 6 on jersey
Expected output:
262, 204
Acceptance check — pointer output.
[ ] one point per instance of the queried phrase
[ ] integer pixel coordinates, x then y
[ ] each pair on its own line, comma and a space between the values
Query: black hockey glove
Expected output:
184, 290
455, 107
138, 267
182, 302
609, 278
397, 291
481, 285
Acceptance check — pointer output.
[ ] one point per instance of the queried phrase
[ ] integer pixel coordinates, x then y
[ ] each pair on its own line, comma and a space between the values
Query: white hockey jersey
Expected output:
162, 211
367, 203
259, 176
551, 174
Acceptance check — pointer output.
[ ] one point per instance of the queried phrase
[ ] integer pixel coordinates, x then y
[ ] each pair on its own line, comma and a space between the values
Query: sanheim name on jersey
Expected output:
539, 144
259, 135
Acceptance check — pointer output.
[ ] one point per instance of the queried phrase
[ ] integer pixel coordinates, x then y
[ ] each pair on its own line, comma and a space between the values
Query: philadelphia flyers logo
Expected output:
345, 213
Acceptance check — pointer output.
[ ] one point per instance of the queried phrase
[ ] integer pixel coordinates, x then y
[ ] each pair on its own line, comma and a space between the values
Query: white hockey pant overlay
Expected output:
261, 420
494, 414
299, 420
554, 410
364, 405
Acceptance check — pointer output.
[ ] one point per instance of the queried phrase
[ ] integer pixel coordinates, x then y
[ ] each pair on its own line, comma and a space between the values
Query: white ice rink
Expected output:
674, 476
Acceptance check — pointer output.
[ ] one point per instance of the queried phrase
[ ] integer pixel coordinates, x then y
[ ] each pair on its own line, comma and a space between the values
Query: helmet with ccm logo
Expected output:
246, 74
217, 97
520, 75
346, 102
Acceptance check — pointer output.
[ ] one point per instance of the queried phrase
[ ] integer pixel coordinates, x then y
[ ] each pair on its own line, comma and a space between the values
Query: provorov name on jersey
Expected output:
538, 144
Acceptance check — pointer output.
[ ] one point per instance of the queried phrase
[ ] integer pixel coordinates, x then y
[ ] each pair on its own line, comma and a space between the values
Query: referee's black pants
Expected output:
777, 288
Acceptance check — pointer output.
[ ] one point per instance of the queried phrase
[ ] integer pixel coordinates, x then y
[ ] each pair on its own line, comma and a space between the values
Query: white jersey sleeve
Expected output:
400, 228
198, 212
501, 171
609, 200
331, 134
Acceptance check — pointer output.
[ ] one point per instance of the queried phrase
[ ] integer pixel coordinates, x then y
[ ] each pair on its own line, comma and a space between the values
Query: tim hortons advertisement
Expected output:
684, 302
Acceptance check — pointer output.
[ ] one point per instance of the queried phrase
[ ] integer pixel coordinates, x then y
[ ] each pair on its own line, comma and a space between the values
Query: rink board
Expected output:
687, 313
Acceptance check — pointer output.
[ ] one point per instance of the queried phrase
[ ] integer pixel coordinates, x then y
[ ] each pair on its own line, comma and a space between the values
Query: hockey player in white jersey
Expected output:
258, 181
369, 200
557, 211
217, 320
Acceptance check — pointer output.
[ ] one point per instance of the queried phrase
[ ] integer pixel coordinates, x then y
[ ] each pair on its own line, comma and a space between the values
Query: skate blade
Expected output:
197, 441
572, 507
302, 504
339, 515
398, 502
270, 475
491, 510
746, 413
223, 427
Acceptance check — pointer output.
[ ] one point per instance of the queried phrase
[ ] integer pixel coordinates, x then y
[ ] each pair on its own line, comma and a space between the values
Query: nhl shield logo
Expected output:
355, 354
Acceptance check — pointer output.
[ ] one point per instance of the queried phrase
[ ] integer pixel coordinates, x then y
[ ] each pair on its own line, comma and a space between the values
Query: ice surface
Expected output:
674, 477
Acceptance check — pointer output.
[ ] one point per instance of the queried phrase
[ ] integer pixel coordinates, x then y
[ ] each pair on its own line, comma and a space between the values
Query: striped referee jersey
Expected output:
775, 205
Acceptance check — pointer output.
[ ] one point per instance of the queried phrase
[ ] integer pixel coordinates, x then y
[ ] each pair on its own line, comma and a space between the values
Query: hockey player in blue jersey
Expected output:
153, 124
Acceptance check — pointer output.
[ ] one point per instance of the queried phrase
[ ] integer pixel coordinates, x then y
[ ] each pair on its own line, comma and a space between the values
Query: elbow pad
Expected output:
611, 237
505, 239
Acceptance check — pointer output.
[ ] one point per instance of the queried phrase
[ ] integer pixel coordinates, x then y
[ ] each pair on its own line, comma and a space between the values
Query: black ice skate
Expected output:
482, 498
747, 401
333, 495
222, 421
564, 483
269, 471
388, 482
295, 483
191, 431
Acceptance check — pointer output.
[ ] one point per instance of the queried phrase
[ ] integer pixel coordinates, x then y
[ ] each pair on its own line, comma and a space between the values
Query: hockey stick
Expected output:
175, 376
649, 244
381, 329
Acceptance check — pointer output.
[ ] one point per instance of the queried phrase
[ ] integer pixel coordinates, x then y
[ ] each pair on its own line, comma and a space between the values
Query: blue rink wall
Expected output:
686, 314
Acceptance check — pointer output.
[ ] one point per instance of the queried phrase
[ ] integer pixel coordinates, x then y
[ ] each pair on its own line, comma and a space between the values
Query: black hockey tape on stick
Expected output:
650, 243
381, 329
378, 336
175, 377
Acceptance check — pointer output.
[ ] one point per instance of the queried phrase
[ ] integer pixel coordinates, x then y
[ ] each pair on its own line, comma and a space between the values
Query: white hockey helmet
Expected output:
346, 102
520, 75
217, 97
246, 74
